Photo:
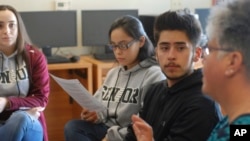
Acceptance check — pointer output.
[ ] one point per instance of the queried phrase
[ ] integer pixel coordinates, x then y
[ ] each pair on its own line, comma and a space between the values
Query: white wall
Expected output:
151, 7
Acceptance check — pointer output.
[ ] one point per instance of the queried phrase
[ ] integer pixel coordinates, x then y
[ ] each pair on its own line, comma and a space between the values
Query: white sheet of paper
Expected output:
79, 93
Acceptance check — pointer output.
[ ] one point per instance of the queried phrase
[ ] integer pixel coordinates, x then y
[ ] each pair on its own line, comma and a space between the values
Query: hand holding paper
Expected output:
79, 93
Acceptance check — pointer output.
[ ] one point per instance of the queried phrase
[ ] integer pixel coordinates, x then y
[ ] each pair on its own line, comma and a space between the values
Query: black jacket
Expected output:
179, 113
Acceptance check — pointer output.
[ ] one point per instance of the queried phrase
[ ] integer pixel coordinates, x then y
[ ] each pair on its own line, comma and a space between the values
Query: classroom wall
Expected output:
145, 7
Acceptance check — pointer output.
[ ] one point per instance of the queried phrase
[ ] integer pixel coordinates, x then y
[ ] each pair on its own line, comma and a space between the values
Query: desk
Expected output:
61, 108
100, 69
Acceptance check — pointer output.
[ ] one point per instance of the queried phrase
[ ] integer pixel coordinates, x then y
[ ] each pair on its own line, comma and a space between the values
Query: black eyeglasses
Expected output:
207, 50
122, 46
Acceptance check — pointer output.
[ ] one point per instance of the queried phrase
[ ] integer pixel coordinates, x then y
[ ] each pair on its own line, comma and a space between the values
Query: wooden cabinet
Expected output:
100, 69
61, 108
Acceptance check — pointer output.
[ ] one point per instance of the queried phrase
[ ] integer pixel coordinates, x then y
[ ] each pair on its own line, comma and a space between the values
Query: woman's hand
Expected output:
143, 131
35, 112
3, 103
90, 116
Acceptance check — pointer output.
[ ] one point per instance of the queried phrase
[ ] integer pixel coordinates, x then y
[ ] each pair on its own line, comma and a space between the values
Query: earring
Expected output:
229, 72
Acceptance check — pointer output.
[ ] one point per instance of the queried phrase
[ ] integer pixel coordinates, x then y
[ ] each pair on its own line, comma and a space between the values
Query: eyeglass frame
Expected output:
206, 50
122, 46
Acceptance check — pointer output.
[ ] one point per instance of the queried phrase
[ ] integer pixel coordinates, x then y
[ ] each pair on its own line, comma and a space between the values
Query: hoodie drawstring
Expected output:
17, 68
2, 62
112, 93
121, 100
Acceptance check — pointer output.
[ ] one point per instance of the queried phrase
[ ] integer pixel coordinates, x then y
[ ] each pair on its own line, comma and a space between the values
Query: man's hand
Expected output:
90, 116
143, 130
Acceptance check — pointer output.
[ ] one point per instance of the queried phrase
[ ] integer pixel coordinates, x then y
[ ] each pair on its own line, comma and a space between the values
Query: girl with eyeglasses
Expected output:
123, 89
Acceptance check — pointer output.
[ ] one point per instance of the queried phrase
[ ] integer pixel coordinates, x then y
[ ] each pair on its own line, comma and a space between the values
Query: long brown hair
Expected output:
22, 38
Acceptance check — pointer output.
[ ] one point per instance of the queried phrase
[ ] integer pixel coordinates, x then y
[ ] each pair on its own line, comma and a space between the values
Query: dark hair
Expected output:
181, 20
134, 28
22, 37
